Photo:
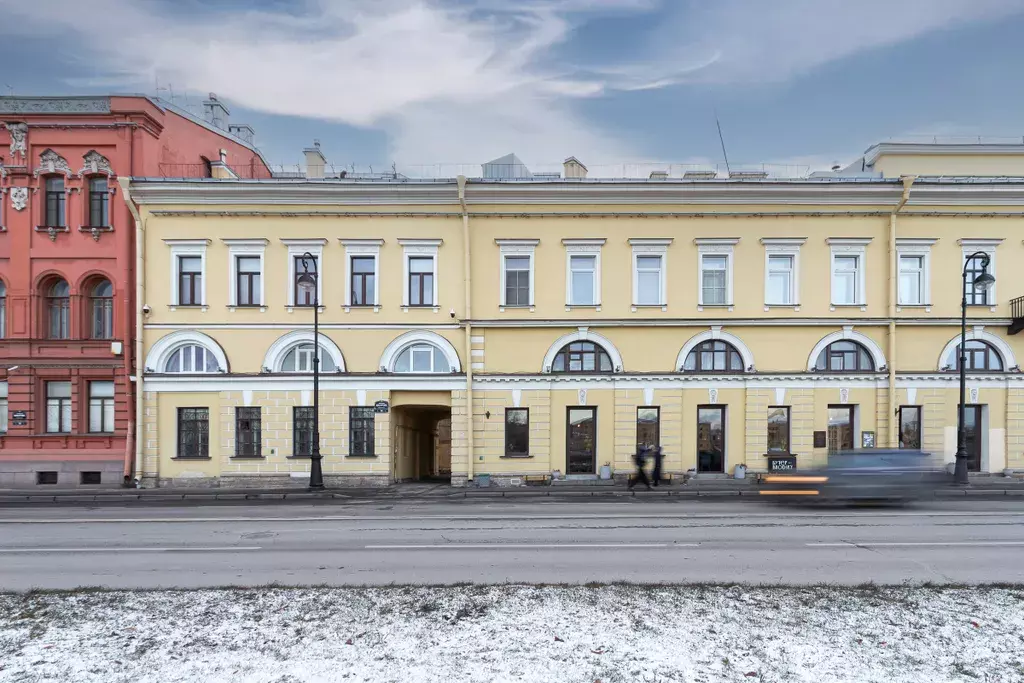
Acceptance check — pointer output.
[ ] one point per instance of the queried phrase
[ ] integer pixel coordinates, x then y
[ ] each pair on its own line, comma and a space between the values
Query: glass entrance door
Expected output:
840, 428
711, 439
972, 432
581, 440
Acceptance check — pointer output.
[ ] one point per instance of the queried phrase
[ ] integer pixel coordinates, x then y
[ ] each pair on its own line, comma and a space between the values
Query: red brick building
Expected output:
67, 256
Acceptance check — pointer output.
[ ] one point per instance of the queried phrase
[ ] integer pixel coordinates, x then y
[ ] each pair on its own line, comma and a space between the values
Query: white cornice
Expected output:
939, 149
783, 241
916, 241
651, 241
187, 243
349, 242
304, 241
515, 242
584, 242
715, 241
848, 241
979, 242
416, 242
245, 241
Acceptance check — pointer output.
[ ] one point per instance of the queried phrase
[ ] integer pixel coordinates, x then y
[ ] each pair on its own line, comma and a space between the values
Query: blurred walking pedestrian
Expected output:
641, 459
657, 455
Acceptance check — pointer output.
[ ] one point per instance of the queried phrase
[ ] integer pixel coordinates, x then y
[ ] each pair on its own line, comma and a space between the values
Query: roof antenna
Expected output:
721, 139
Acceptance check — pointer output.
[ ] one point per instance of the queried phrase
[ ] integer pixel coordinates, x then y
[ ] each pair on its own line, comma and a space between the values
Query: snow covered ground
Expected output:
516, 633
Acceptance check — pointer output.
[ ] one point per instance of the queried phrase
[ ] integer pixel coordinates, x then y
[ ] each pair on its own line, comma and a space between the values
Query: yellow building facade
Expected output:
531, 328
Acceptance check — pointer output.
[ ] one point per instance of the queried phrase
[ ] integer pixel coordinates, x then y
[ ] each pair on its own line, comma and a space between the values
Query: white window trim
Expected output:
988, 245
849, 246
362, 247
160, 352
783, 246
181, 248
245, 247
583, 247
515, 247
298, 247
979, 333
916, 246
412, 338
650, 246
418, 248
715, 246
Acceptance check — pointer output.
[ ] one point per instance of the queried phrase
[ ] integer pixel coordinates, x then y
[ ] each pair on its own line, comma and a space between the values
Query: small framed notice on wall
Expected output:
867, 439
819, 439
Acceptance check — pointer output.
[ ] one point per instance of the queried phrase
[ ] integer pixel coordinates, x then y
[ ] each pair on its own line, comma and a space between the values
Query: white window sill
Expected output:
531, 308
793, 307
701, 307
862, 307
407, 308
233, 308
577, 307
291, 309
202, 307
927, 307
636, 307
375, 307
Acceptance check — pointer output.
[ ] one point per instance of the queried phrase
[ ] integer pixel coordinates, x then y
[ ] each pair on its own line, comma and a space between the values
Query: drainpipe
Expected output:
468, 319
894, 270
140, 297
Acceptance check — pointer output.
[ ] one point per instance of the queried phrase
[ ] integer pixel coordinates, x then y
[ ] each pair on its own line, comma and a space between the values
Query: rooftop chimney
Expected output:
573, 168
315, 161
215, 113
242, 131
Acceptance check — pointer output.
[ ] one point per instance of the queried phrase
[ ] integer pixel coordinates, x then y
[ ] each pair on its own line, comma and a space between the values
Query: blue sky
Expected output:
803, 82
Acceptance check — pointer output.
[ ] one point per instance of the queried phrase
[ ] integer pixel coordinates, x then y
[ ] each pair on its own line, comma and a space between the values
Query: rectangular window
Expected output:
101, 407
304, 296
360, 431
99, 203
102, 314
780, 281
648, 427
190, 280
364, 278
711, 439
583, 282
910, 427
845, 279
248, 432
248, 284
911, 280
517, 280
58, 407
3, 310
714, 280
648, 281
3, 407
302, 430
59, 313
517, 432
55, 198
840, 428
193, 432
778, 429
975, 297
421, 281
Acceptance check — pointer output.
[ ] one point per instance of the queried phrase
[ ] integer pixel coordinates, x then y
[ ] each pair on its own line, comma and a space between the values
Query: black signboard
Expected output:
380, 407
781, 463
19, 418
819, 439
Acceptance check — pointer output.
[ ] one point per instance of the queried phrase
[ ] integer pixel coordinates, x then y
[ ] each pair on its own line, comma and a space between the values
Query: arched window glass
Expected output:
191, 358
300, 359
980, 355
845, 356
58, 300
713, 355
102, 310
422, 358
582, 356
3, 310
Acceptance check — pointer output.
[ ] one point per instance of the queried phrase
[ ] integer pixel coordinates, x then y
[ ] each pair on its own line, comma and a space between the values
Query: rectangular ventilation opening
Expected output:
45, 478
89, 478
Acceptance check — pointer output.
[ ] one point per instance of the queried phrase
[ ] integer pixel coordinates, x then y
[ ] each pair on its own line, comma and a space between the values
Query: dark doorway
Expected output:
581, 440
711, 439
972, 434
840, 428
422, 443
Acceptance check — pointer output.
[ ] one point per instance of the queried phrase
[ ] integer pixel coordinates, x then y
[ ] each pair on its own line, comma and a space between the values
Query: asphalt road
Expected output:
513, 540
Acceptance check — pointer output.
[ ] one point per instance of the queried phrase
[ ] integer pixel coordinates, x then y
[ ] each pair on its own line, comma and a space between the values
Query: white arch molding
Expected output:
979, 333
280, 348
403, 341
583, 334
717, 334
848, 334
158, 354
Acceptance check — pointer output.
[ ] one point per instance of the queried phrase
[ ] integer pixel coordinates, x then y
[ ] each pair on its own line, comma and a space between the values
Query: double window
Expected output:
55, 214
713, 355
714, 271
248, 280
305, 265
421, 281
845, 276
517, 280
844, 356
780, 280
193, 432
58, 407
3, 407
364, 280
422, 358
58, 306
582, 357
649, 280
101, 303
303, 430
583, 283
978, 355
912, 286
190, 280
360, 431
101, 407
975, 296
191, 358
3, 309
99, 203
300, 359
248, 432
517, 432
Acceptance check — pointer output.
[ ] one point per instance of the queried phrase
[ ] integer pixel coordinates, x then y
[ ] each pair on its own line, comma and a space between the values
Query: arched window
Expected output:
422, 358
58, 314
101, 309
713, 355
191, 358
980, 355
582, 356
845, 356
300, 359
3, 309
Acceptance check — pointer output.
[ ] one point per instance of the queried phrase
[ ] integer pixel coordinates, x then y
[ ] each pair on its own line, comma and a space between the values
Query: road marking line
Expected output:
227, 548
897, 544
520, 546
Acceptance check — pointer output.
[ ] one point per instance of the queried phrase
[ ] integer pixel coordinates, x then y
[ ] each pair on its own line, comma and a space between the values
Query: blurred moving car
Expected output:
862, 475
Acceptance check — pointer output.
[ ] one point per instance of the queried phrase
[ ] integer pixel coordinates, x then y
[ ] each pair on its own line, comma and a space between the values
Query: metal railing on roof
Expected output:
958, 139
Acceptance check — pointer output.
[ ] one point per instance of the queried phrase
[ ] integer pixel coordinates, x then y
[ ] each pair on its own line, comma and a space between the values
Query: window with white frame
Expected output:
300, 359
422, 358
517, 274
362, 286
715, 256
419, 277
971, 246
191, 358
782, 270
296, 249
848, 265
246, 261
913, 257
649, 256
188, 272
101, 407
583, 272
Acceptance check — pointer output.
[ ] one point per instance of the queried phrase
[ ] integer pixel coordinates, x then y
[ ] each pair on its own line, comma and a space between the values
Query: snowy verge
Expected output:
517, 633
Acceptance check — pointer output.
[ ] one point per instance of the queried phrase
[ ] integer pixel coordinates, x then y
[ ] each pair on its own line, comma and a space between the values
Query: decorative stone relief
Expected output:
19, 134
19, 198
56, 105
844, 396
96, 163
51, 162
974, 395
713, 395
582, 395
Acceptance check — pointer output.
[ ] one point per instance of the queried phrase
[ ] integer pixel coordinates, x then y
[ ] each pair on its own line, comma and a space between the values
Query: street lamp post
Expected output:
307, 283
983, 282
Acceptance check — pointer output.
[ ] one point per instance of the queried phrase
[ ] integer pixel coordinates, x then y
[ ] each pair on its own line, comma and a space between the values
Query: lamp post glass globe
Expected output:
307, 282
984, 282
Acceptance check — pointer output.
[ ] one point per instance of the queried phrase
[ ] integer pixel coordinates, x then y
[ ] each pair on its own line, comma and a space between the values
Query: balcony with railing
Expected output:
1016, 315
